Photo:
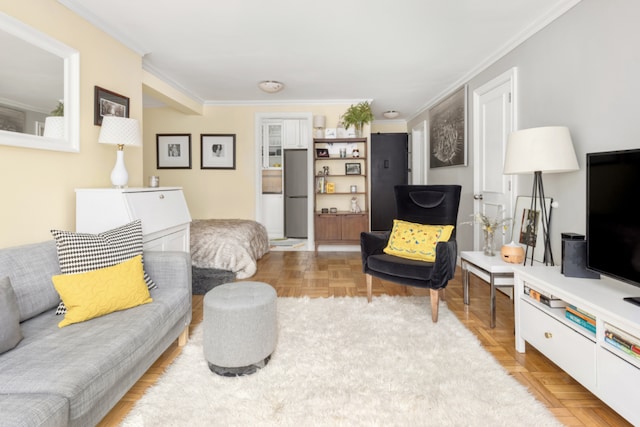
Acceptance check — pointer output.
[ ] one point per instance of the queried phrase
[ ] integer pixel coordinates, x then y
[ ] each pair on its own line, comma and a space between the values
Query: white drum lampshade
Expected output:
54, 127
120, 131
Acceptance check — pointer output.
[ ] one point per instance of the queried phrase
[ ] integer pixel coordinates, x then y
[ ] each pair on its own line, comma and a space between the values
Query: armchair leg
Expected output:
369, 287
435, 299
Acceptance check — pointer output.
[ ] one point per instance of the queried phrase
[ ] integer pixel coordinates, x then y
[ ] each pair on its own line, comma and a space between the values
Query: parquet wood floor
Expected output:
325, 274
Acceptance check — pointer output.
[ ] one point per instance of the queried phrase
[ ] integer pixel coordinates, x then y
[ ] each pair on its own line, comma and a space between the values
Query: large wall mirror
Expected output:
39, 89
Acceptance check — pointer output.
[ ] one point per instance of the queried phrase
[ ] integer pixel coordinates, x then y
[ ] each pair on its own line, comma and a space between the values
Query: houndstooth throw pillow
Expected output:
82, 252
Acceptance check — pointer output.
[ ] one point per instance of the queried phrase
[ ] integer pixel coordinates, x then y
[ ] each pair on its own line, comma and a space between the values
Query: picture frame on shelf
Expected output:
322, 152
352, 169
527, 226
217, 151
108, 103
173, 151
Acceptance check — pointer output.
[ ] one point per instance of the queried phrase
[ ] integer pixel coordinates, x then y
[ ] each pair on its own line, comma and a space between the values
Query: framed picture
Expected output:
173, 150
11, 119
322, 152
527, 226
217, 151
330, 133
352, 169
448, 131
107, 103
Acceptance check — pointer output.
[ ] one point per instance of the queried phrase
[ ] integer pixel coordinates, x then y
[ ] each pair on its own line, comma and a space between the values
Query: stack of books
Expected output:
544, 298
581, 317
622, 341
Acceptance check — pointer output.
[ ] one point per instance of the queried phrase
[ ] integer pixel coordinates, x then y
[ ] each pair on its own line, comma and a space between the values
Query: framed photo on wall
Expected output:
448, 131
217, 151
527, 226
173, 150
107, 103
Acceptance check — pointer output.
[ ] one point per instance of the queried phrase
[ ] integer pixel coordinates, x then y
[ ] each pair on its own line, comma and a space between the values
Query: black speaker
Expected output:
574, 257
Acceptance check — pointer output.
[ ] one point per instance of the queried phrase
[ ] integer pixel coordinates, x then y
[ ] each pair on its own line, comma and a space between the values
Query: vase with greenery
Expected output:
357, 116
489, 227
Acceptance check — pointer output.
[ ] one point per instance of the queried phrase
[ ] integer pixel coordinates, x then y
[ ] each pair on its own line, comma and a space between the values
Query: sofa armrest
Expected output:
169, 269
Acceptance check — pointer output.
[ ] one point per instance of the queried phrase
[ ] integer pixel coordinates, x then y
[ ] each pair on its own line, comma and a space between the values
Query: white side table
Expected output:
491, 269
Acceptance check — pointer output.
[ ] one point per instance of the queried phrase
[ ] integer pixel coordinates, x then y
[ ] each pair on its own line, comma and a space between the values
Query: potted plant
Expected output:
358, 115
59, 110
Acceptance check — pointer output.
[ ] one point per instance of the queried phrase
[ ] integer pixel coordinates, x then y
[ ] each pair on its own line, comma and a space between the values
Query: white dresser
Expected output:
163, 211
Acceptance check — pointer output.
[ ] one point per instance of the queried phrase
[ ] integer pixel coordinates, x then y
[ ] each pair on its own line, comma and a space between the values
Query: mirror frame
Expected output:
71, 58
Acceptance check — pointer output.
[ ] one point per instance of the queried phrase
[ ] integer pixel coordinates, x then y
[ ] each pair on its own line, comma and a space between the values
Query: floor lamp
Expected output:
537, 150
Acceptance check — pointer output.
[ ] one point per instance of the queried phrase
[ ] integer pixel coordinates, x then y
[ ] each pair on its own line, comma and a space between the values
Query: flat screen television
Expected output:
613, 214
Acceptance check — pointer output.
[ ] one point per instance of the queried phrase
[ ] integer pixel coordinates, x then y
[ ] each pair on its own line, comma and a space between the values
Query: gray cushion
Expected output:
30, 267
10, 334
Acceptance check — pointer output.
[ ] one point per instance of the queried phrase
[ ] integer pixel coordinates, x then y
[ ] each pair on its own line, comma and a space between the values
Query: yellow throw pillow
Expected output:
416, 241
99, 292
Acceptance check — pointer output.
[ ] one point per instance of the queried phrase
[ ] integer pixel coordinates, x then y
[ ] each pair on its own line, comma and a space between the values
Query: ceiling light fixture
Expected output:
391, 114
270, 86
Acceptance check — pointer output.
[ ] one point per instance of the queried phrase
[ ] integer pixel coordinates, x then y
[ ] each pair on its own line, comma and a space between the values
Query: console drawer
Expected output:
617, 380
570, 350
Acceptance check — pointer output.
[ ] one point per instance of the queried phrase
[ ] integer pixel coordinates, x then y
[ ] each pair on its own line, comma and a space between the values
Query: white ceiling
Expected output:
401, 55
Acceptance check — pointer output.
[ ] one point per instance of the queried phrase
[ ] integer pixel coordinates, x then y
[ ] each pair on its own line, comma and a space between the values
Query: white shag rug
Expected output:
344, 362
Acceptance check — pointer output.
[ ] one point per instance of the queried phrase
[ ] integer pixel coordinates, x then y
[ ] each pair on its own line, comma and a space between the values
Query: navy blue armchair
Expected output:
422, 204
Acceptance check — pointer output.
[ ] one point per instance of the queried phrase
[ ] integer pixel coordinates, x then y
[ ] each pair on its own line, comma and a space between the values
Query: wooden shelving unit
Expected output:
338, 223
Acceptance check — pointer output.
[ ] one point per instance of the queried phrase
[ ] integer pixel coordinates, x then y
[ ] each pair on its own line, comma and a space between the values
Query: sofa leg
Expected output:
435, 299
369, 287
184, 337
443, 295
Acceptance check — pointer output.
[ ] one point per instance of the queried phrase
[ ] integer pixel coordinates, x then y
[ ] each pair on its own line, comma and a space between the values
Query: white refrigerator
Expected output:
295, 193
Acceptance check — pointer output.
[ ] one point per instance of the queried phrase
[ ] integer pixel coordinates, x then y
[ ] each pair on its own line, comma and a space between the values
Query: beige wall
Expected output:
38, 185
213, 193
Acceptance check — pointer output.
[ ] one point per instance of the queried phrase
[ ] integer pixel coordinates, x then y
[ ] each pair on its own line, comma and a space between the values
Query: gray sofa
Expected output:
73, 376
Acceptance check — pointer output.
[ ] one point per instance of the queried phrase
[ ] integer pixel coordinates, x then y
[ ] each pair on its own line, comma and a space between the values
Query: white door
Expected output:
494, 119
418, 159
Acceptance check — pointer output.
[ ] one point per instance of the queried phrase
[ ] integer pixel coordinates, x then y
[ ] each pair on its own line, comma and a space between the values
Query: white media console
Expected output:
607, 371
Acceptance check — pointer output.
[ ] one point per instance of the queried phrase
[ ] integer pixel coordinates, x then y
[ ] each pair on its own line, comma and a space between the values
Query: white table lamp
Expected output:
536, 150
54, 127
120, 131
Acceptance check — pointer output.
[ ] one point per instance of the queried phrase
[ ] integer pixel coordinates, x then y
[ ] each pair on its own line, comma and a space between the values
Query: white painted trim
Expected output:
422, 151
79, 9
71, 60
554, 13
287, 102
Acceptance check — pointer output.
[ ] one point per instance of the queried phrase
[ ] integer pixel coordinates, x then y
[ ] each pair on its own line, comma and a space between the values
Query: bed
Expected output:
228, 244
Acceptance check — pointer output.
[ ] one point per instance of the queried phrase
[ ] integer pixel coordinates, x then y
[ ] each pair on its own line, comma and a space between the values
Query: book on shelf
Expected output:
528, 290
580, 321
570, 308
579, 310
621, 347
546, 299
622, 339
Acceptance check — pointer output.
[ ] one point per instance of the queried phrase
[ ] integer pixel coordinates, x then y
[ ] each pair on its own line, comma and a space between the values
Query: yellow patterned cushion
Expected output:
99, 292
416, 241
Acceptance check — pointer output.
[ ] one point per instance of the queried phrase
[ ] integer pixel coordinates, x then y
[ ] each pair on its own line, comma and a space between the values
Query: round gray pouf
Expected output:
240, 327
